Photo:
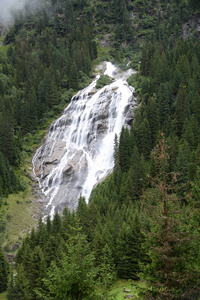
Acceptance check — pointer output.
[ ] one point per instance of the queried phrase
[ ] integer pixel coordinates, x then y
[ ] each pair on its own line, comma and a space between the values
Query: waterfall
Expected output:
78, 149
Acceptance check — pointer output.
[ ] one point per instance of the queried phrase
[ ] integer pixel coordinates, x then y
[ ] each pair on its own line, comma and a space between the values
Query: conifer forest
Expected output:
142, 222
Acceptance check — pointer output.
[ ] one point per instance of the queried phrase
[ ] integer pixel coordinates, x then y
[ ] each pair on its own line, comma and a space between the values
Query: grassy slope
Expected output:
117, 289
3, 296
22, 210
18, 208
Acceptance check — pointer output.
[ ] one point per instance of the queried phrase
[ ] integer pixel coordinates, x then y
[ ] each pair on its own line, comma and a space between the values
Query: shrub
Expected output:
102, 81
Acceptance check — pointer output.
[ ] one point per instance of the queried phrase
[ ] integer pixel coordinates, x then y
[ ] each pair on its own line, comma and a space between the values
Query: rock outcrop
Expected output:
78, 150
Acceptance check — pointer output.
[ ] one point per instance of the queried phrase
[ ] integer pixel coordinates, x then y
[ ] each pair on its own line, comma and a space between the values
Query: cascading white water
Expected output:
78, 150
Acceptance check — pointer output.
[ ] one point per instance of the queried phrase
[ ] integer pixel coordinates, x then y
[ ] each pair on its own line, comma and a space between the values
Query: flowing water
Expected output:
78, 149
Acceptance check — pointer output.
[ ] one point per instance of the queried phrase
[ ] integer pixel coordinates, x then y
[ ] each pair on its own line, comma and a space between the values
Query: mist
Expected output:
10, 8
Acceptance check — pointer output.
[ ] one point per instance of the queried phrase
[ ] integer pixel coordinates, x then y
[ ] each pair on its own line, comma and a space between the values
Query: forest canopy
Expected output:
142, 222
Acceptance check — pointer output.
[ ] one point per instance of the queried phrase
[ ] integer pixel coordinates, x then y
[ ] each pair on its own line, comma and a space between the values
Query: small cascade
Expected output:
78, 149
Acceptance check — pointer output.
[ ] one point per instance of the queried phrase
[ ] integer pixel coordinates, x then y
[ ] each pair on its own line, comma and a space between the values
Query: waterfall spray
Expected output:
78, 150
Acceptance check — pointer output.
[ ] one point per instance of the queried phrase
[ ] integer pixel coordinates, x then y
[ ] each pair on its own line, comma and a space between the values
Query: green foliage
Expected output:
128, 249
4, 272
107, 270
3, 296
102, 81
74, 277
49, 57
50, 268
2, 219
19, 287
169, 273
133, 80
167, 102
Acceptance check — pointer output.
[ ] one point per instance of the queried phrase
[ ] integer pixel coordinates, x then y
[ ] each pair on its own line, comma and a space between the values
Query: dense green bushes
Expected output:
4, 272
143, 220
103, 80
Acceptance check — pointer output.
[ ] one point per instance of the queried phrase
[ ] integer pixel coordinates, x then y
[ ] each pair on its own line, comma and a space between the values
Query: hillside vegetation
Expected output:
142, 222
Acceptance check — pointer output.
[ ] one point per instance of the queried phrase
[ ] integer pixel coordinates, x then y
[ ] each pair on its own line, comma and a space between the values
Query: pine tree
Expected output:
4, 271
56, 224
53, 97
128, 250
164, 102
153, 118
98, 243
20, 287
170, 272
83, 216
37, 270
136, 179
143, 138
73, 76
182, 109
73, 278
125, 149
107, 270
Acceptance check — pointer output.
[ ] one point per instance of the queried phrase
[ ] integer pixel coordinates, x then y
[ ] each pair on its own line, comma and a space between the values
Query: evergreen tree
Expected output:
125, 149
182, 109
143, 138
38, 270
19, 288
107, 270
136, 179
4, 271
169, 273
164, 101
74, 277
82, 214
153, 118
56, 224
73, 76
129, 252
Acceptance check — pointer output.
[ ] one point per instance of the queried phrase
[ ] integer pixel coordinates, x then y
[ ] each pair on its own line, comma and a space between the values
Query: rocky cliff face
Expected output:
78, 150
193, 25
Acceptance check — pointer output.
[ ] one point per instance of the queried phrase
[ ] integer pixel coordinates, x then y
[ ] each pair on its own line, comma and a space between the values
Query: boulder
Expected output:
92, 92
57, 153
68, 170
75, 164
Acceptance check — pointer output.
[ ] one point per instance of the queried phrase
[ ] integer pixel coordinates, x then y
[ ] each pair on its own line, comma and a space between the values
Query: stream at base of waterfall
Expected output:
78, 150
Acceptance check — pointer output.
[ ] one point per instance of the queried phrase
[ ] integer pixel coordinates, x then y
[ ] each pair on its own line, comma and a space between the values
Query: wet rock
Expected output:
101, 67
75, 164
57, 153
101, 127
68, 170
74, 143
92, 92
